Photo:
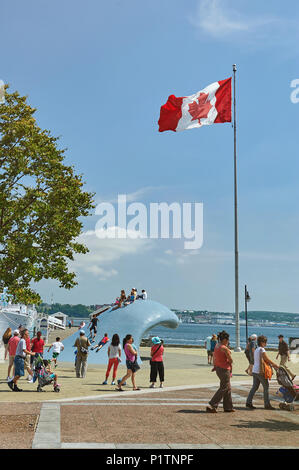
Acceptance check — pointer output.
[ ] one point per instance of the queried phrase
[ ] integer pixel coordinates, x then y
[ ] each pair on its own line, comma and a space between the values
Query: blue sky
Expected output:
98, 73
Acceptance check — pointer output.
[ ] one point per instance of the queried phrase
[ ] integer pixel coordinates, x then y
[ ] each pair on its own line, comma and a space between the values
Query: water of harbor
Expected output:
195, 334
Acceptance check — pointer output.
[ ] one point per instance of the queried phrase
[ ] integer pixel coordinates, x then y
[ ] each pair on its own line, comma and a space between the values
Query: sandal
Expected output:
136, 389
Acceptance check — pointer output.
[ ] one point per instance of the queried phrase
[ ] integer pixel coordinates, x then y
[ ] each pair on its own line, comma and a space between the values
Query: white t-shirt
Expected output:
20, 348
257, 359
114, 351
57, 347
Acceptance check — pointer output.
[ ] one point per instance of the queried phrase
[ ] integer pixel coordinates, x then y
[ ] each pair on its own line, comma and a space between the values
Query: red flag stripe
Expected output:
224, 101
170, 114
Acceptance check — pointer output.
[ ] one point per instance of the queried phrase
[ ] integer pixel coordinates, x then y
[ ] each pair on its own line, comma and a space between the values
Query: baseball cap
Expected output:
253, 336
82, 332
16, 332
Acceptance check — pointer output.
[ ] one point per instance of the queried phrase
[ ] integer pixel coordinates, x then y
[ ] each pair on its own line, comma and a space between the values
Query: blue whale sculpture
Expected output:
135, 319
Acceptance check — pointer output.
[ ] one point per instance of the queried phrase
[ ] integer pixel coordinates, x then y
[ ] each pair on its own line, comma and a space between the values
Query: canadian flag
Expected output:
207, 106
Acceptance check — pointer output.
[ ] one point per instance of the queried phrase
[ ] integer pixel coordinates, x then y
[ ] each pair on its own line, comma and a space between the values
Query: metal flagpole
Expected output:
237, 346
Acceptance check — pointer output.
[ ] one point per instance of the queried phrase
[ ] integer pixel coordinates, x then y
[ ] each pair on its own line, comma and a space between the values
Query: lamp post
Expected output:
247, 299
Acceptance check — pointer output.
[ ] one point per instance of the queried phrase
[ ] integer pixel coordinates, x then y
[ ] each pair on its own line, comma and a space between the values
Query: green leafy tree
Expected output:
41, 203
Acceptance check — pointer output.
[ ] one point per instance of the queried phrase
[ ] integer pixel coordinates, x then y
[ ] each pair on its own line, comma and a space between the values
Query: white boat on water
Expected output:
14, 315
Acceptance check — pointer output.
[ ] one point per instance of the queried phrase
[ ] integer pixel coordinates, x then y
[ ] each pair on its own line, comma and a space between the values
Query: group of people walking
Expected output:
114, 353
20, 351
260, 367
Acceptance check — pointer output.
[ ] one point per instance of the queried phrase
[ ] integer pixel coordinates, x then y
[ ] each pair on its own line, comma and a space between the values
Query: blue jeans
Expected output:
257, 380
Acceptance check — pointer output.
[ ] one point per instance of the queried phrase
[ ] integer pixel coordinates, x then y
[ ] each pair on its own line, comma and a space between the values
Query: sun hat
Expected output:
156, 340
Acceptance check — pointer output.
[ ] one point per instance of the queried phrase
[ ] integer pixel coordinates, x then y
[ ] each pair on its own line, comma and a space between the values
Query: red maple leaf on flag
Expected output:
200, 108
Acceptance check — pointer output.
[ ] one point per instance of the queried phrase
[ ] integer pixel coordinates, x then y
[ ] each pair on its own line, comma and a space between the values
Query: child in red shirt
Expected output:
102, 343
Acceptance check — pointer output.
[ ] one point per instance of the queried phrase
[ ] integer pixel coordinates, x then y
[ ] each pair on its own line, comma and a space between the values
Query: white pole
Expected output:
237, 346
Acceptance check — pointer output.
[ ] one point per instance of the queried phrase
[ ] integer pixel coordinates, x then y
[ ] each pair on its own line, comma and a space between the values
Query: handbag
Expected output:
265, 369
133, 364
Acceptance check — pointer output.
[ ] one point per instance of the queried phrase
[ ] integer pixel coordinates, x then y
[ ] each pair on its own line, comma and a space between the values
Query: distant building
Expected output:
223, 319
60, 316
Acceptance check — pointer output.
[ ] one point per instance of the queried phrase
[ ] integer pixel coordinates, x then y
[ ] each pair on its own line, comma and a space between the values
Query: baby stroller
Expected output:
42, 375
288, 390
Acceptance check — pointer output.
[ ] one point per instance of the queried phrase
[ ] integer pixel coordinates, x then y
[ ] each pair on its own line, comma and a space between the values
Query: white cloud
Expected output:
131, 197
215, 18
102, 258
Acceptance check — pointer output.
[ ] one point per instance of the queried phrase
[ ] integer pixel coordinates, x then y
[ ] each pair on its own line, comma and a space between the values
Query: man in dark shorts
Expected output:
93, 327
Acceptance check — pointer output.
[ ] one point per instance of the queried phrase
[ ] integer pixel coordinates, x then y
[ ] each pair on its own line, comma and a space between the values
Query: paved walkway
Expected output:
171, 418
86, 414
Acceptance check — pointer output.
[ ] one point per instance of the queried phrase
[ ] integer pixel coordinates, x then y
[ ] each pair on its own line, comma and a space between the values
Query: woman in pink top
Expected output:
223, 366
157, 361
131, 362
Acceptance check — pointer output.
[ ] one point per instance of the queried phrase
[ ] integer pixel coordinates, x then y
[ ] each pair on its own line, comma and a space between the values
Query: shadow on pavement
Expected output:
192, 411
268, 425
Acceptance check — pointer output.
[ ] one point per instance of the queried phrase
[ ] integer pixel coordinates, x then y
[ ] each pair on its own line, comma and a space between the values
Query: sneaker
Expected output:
105, 382
152, 386
10, 384
161, 385
17, 389
251, 407
29, 379
113, 383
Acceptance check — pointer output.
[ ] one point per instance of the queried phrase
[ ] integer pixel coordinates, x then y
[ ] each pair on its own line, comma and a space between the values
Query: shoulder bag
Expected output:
265, 369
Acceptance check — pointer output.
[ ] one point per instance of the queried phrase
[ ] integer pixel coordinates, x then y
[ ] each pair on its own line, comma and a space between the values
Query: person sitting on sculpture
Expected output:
143, 295
120, 300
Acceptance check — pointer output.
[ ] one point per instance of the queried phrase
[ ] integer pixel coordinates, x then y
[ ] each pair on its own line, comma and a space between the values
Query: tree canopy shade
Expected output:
41, 202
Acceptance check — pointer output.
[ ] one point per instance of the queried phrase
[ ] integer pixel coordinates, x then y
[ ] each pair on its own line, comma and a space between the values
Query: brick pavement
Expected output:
171, 419
86, 414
